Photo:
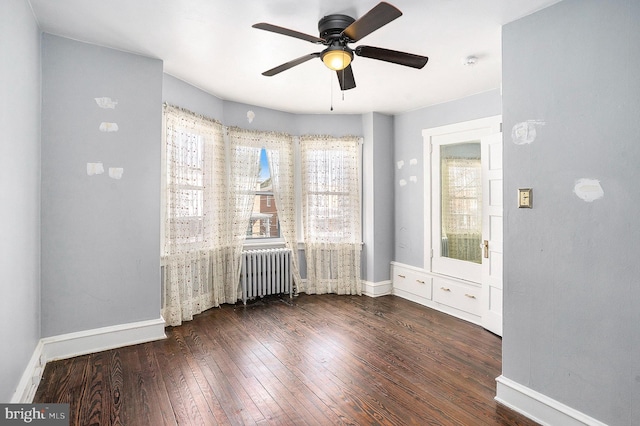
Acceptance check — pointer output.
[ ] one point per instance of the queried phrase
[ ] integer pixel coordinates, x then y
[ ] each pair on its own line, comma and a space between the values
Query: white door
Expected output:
456, 210
492, 206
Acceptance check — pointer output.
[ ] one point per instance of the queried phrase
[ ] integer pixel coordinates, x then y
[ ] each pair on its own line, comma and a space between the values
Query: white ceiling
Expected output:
210, 44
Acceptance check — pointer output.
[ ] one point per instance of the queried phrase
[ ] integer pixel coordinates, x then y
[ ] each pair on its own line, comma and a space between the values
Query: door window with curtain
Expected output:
461, 201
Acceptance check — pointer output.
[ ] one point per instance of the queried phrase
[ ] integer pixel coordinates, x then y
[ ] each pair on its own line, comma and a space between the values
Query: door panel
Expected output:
456, 188
492, 224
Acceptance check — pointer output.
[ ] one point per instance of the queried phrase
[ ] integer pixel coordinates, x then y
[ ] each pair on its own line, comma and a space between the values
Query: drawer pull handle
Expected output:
445, 289
420, 281
402, 276
470, 296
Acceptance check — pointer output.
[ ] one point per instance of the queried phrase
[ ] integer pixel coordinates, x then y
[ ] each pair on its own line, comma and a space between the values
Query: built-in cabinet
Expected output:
462, 270
411, 283
450, 295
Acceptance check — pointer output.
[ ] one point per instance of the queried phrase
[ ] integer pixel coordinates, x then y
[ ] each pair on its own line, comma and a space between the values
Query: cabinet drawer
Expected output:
412, 282
464, 297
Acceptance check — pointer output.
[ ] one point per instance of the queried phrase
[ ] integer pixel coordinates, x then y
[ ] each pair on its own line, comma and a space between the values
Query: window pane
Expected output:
461, 201
185, 154
264, 217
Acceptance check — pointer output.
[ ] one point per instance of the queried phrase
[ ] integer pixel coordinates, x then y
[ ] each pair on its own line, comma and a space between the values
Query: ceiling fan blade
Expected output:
401, 58
346, 79
288, 32
377, 17
290, 64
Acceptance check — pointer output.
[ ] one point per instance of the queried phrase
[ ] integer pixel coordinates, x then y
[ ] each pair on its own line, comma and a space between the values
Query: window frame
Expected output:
266, 242
299, 197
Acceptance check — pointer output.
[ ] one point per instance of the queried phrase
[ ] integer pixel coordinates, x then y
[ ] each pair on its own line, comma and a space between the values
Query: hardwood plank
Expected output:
58, 378
347, 372
315, 360
237, 344
325, 352
114, 393
183, 391
92, 403
227, 376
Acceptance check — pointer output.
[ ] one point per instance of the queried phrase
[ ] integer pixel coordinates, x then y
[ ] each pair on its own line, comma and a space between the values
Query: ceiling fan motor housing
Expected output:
331, 26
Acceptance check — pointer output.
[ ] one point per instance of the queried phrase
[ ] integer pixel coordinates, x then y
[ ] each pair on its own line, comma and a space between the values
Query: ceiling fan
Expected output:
336, 32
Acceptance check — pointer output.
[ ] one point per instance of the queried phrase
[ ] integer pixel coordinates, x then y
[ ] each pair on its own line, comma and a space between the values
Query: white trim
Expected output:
429, 302
410, 267
370, 289
463, 126
81, 343
539, 407
30, 379
102, 339
263, 243
492, 123
381, 288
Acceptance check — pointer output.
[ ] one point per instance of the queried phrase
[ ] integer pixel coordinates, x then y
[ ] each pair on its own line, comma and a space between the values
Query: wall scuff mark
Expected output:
108, 127
588, 190
106, 103
95, 169
116, 172
525, 132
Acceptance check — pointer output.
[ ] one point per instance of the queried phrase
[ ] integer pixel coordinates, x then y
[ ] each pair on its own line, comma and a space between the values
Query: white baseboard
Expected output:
381, 288
369, 288
539, 407
30, 378
81, 343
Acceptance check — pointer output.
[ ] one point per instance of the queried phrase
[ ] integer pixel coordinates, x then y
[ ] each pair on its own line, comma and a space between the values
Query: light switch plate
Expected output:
525, 200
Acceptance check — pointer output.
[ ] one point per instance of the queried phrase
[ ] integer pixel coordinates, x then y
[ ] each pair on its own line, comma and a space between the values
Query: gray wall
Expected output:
179, 93
100, 236
571, 301
19, 191
265, 119
230, 113
408, 142
377, 197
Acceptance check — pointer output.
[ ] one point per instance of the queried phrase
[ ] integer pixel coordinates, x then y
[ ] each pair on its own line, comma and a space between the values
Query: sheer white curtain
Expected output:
461, 192
331, 213
244, 166
245, 151
281, 155
196, 241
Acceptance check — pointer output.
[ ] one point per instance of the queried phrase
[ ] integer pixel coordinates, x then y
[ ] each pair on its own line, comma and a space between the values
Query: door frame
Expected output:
484, 127
492, 124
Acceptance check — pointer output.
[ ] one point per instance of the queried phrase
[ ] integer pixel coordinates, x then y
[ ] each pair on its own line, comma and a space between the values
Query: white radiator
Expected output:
265, 272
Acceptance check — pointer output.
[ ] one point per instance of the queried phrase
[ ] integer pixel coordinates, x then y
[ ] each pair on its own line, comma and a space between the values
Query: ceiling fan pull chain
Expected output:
331, 90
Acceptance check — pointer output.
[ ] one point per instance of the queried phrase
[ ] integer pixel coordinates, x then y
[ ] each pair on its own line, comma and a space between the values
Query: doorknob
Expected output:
485, 246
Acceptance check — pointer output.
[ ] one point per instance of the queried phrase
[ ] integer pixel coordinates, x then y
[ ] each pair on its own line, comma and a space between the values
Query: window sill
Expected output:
256, 245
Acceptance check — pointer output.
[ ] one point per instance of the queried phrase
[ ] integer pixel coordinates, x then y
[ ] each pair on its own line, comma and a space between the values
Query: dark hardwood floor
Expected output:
317, 360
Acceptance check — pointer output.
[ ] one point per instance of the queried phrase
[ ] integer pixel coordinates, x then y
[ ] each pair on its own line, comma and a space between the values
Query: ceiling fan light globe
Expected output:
337, 59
